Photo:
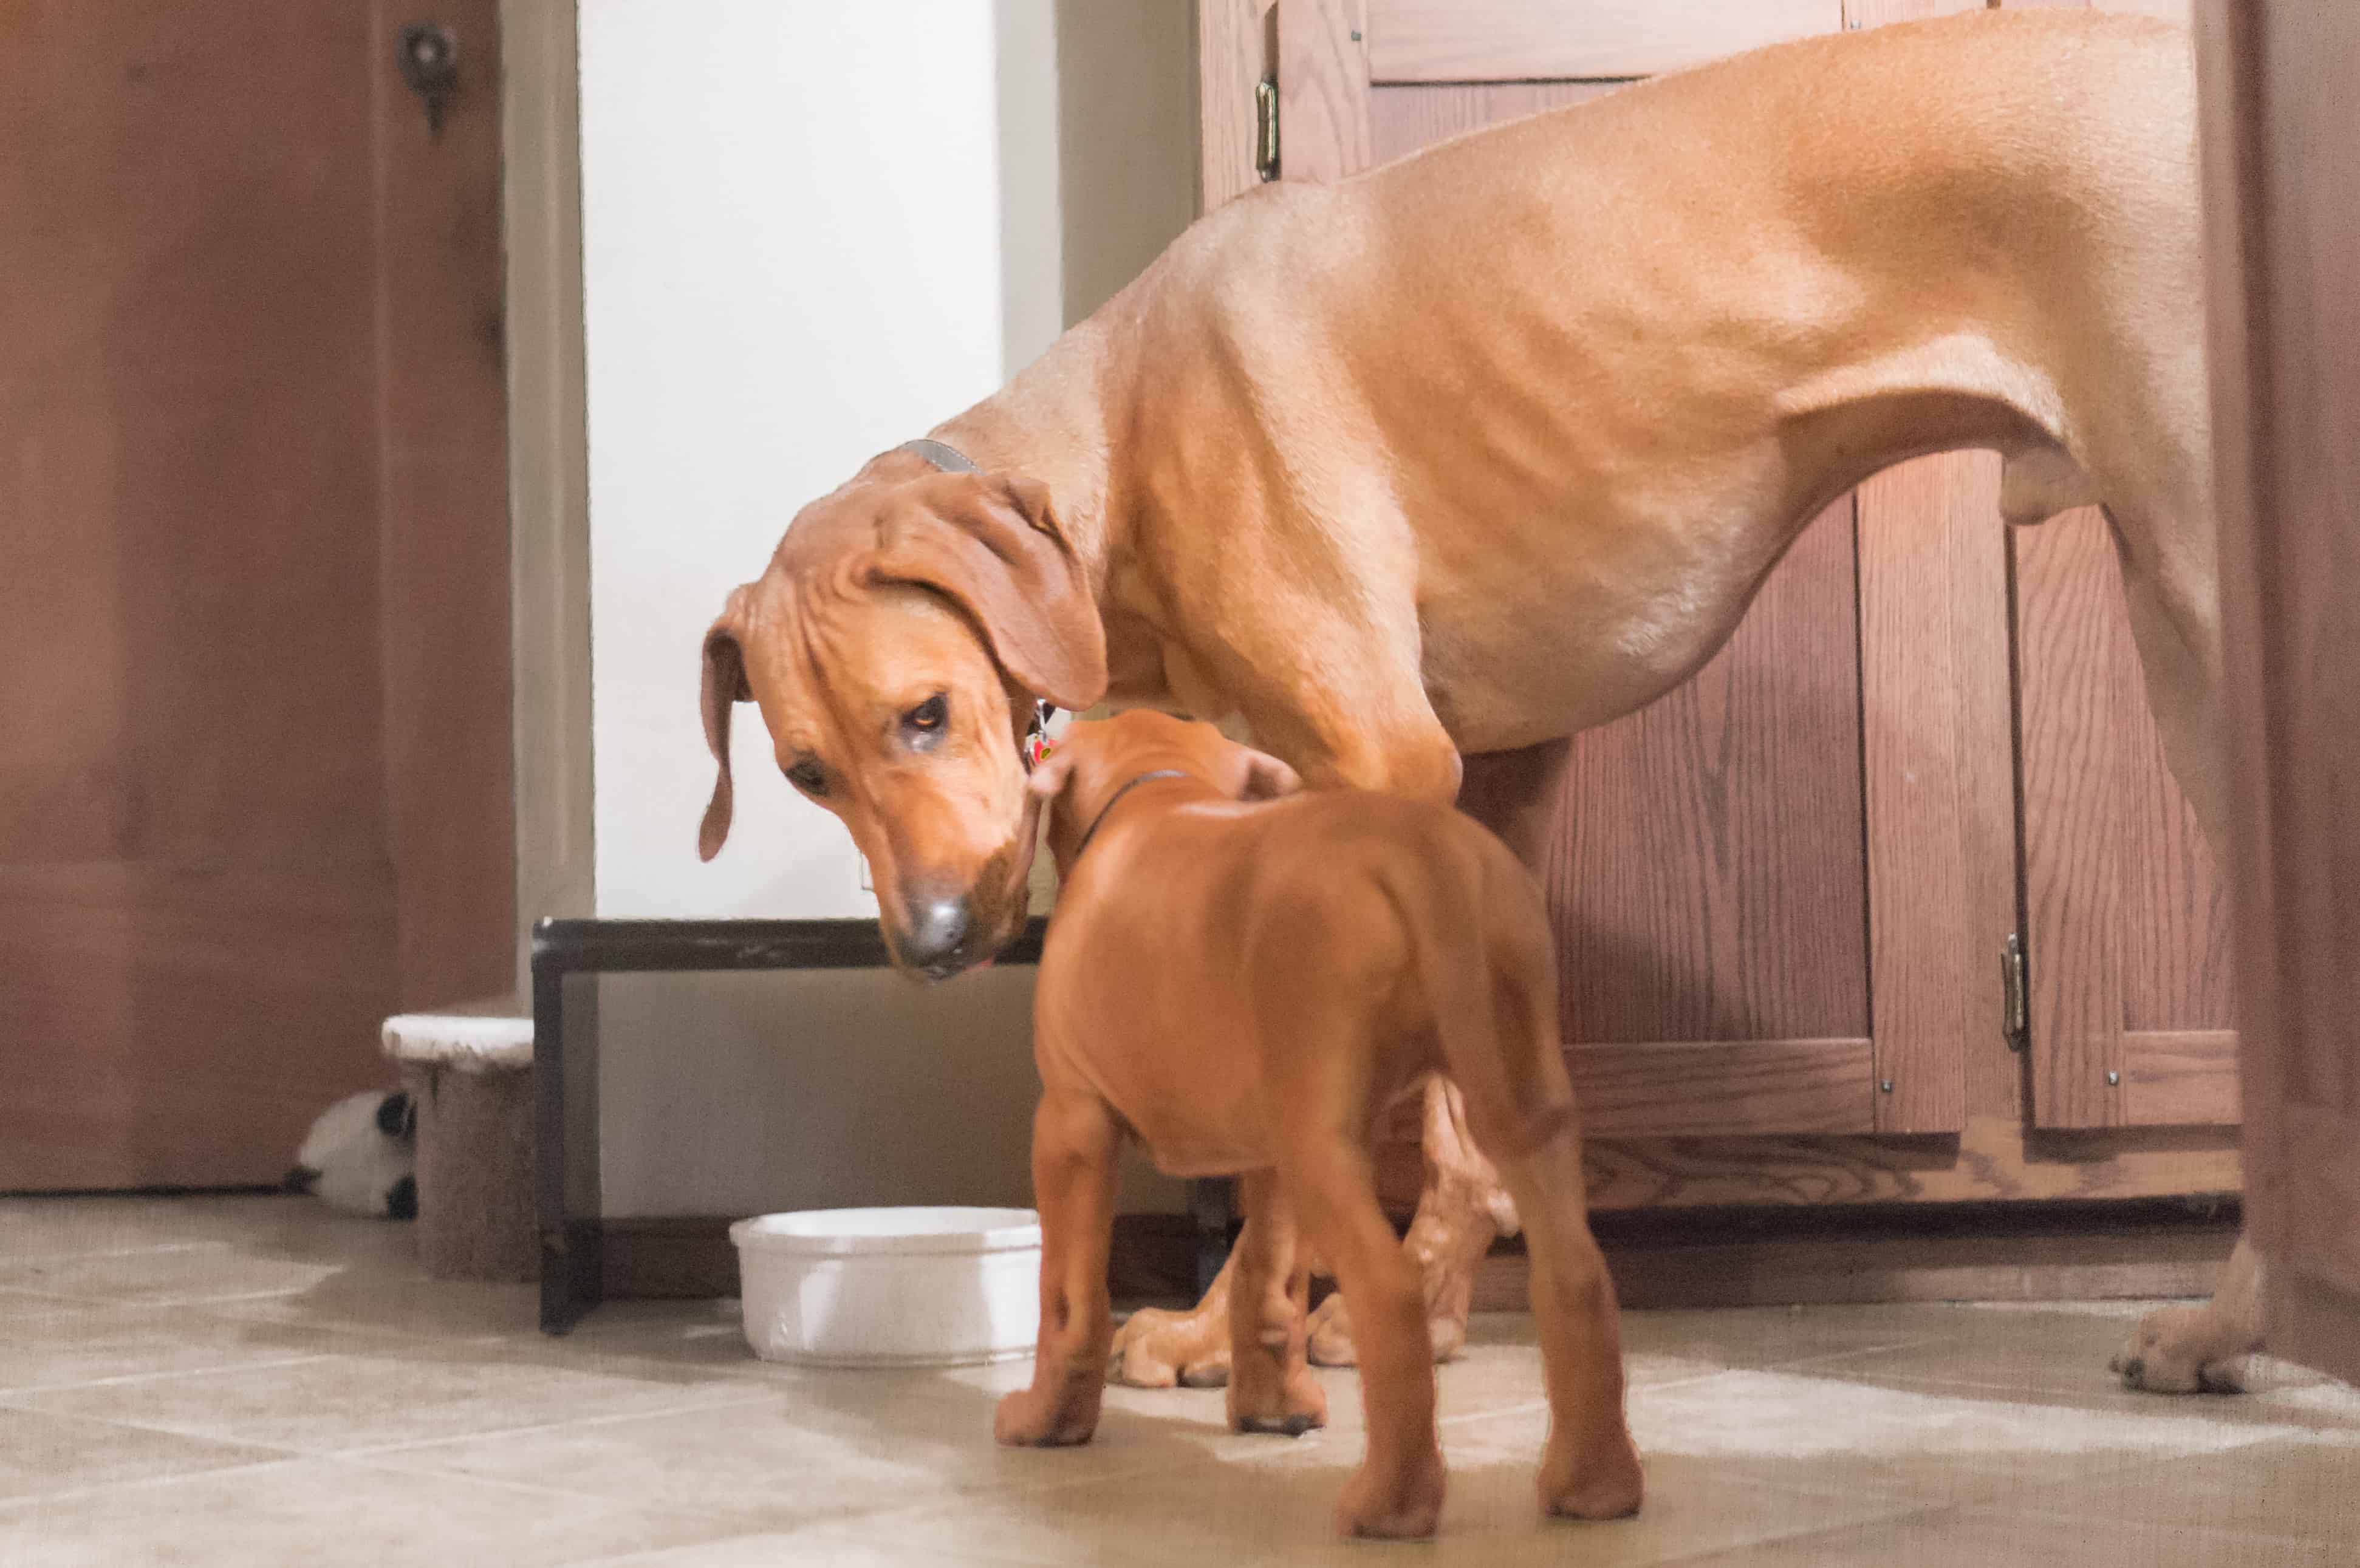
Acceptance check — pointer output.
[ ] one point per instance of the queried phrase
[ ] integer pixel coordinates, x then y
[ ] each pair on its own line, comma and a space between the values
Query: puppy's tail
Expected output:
1455, 966
1489, 968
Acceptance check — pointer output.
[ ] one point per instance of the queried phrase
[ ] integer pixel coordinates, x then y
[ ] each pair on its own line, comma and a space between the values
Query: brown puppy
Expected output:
1244, 988
1508, 453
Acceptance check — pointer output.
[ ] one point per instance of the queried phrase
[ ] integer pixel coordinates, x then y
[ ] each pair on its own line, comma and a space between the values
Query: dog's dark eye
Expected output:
808, 777
922, 727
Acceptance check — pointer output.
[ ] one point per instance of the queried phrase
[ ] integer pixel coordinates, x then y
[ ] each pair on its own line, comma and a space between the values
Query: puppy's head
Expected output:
895, 646
1094, 761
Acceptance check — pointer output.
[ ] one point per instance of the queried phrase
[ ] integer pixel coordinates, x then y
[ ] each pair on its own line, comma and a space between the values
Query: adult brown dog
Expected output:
1506, 456
1244, 988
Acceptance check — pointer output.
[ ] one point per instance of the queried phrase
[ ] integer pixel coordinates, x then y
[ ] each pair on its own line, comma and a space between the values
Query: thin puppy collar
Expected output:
942, 455
1091, 832
950, 460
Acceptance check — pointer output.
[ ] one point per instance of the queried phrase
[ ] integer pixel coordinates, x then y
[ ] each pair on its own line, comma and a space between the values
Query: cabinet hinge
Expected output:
2016, 1019
1266, 127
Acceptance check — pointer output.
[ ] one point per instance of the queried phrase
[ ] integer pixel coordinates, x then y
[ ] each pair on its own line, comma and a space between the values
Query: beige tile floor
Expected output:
254, 1381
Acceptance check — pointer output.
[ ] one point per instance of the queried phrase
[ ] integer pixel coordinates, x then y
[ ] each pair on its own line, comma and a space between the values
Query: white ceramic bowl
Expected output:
907, 1287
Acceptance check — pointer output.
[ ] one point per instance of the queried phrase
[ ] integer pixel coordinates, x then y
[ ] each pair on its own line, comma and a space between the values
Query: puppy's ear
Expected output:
991, 544
1266, 777
724, 687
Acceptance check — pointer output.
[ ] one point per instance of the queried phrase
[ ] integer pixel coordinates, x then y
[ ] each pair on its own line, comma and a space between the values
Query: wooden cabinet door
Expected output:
2282, 177
253, 710
1758, 881
2125, 925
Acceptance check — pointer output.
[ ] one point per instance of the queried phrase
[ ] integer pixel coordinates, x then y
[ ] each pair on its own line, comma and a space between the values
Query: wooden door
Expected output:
1757, 881
254, 718
2282, 174
2125, 925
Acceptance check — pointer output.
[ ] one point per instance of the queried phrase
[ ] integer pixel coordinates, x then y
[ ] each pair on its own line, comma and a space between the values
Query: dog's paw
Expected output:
1160, 1349
1331, 1327
2175, 1350
1331, 1334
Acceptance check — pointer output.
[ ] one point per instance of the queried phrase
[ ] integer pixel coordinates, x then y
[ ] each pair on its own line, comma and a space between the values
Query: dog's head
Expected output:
895, 646
1093, 762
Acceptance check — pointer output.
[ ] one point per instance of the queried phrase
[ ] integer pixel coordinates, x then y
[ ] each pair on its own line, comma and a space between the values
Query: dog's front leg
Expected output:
1462, 1207
1074, 1144
2185, 1350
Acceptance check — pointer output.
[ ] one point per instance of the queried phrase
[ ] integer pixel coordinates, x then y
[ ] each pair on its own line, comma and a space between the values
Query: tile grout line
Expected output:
611, 1418
14, 1398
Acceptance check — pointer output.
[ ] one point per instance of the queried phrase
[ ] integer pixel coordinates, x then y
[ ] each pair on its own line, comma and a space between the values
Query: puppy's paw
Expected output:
1606, 1485
1159, 1349
1393, 1505
1029, 1419
1290, 1406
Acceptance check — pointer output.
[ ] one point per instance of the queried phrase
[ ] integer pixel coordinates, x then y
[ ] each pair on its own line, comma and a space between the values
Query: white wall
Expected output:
791, 259
811, 232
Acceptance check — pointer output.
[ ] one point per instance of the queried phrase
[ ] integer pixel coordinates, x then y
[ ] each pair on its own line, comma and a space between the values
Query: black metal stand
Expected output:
567, 955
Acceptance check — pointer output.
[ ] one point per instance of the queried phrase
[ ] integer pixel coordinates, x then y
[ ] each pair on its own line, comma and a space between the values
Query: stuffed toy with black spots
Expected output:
361, 1156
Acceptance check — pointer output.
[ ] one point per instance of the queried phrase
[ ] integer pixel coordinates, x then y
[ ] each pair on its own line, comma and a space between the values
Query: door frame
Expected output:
549, 471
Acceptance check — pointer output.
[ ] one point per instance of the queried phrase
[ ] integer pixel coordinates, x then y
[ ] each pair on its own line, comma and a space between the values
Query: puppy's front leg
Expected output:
1074, 1144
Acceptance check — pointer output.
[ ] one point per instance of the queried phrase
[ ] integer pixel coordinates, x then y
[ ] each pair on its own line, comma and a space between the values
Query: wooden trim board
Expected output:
1727, 1257
1505, 40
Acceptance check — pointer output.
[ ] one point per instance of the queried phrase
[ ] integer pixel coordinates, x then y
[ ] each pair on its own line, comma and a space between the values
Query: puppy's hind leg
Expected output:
1396, 1495
1591, 1470
1524, 1113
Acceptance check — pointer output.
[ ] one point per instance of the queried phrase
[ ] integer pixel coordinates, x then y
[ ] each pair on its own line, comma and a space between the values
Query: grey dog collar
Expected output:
949, 459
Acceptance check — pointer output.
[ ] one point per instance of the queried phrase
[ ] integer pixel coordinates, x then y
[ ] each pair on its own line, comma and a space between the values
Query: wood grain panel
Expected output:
182, 1025
1323, 89
2176, 959
2071, 636
1507, 40
1724, 1089
2094, 1264
2180, 1079
1990, 1159
1705, 873
2127, 928
1235, 51
1403, 118
1921, 961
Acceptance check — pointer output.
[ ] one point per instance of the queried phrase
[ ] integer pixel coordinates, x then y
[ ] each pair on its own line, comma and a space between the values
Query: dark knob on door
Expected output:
429, 63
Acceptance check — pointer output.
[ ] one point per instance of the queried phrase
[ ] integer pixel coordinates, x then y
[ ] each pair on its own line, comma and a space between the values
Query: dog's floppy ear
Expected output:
725, 687
1266, 777
1000, 555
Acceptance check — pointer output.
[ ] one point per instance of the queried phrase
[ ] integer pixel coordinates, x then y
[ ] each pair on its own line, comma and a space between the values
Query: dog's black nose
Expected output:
938, 928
